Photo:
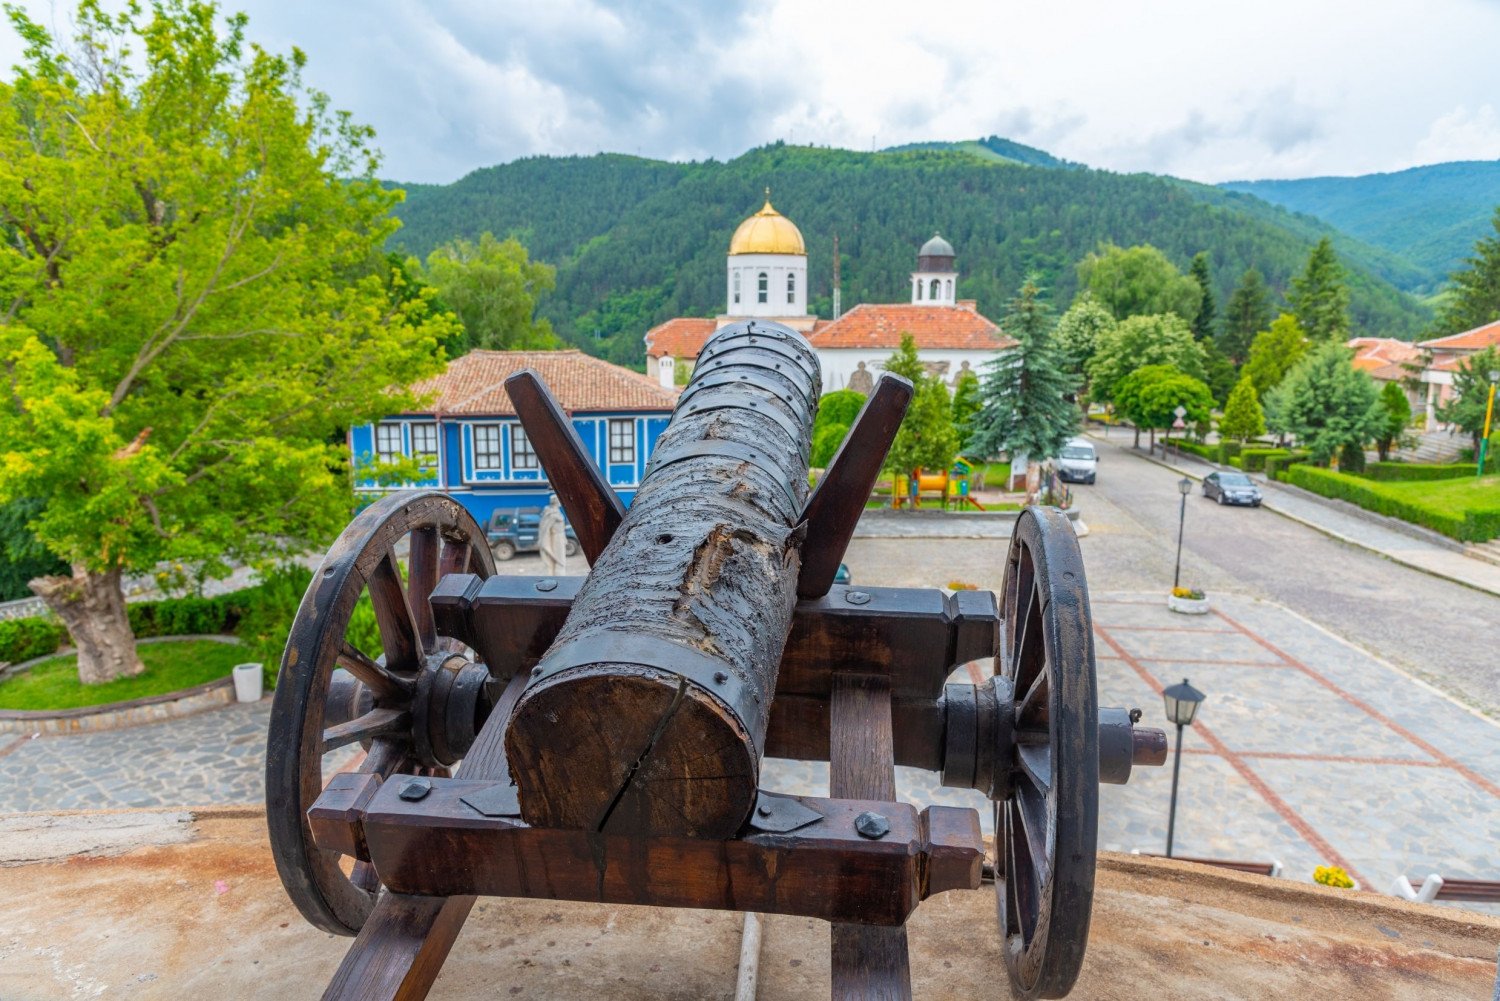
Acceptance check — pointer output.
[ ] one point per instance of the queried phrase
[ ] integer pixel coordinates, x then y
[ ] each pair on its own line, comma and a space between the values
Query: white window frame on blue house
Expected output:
488, 459
425, 451
622, 445
522, 455
389, 443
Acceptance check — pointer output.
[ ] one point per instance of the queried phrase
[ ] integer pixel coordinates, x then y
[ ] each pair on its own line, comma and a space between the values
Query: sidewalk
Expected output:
1429, 557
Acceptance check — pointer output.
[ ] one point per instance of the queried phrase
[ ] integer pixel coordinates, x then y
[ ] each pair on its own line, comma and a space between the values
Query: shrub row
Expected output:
1209, 452
1253, 460
1276, 465
260, 615
1470, 526
1406, 471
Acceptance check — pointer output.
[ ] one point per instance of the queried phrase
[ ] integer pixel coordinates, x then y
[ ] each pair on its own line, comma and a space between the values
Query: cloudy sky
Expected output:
1209, 91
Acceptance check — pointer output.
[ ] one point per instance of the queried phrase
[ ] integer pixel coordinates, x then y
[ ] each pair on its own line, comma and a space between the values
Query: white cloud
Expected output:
1461, 134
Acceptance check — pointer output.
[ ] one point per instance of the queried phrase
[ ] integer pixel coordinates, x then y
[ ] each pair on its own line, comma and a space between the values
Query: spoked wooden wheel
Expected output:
1046, 827
415, 707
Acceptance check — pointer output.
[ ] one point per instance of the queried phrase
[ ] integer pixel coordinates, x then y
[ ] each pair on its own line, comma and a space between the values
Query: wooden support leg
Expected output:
869, 963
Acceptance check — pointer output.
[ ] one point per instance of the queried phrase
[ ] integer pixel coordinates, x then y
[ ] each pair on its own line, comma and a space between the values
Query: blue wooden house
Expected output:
473, 447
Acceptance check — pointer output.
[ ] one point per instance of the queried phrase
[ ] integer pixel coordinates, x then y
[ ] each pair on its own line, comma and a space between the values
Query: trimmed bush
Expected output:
1468, 526
1253, 460
1393, 472
34, 636
1276, 465
1209, 452
1228, 450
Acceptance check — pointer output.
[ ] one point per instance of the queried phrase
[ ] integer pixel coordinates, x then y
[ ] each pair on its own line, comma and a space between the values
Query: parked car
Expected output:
516, 531
1078, 463
1231, 488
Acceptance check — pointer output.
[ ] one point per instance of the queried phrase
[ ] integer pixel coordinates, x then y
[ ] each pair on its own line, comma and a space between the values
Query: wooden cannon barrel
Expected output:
648, 713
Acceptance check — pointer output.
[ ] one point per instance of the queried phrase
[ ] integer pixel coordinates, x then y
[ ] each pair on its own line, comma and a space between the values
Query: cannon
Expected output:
602, 738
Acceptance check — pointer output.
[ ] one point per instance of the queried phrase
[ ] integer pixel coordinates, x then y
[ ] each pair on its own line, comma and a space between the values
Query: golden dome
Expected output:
767, 232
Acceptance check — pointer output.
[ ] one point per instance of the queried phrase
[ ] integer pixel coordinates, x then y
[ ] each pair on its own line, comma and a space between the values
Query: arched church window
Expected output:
932, 293
791, 288
736, 286
921, 290
762, 288
949, 283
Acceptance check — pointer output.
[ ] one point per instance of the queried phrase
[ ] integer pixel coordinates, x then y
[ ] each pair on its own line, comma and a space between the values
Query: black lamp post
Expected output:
1184, 487
1182, 703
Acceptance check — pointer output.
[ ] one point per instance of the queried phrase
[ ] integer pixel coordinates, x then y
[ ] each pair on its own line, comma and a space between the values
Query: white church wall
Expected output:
840, 364
777, 268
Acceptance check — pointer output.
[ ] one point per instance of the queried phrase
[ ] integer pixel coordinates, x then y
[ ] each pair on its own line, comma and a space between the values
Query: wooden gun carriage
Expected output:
601, 738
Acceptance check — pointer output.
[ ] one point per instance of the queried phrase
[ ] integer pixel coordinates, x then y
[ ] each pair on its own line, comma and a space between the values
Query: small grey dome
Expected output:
936, 247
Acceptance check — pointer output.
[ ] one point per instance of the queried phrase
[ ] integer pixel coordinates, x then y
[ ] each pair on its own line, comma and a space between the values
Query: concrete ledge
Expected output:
113, 715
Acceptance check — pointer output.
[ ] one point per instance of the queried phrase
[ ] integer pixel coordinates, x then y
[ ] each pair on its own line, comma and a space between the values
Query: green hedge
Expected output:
1276, 465
1408, 471
1234, 461
1228, 450
23, 639
1253, 460
1209, 452
1470, 526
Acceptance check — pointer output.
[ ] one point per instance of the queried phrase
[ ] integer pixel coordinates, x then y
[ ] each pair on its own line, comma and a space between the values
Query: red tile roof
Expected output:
1383, 357
475, 384
1470, 340
681, 337
875, 326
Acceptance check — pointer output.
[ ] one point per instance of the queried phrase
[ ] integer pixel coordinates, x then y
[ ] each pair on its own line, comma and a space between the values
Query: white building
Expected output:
766, 278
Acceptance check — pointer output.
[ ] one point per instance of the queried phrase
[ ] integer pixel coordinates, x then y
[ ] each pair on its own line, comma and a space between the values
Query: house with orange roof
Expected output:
1386, 359
1443, 356
471, 444
766, 277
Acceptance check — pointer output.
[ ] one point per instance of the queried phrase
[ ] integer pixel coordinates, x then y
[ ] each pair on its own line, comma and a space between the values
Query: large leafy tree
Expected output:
1243, 417
493, 286
1025, 390
22, 557
1151, 394
926, 438
1397, 417
196, 305
1246, 314
1208, 307
836, 413
967, 400
1327, 403
1471, 393
1273, 352
1139, 281
1474, 291
1319, 297
1138, 341
1078, 333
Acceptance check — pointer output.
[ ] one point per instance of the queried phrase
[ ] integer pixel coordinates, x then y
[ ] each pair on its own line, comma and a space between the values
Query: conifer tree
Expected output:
1247, 313
1327, 404
1471, 393
1397, 416
1274, 352
966, 401
1025, 390
1208, 308
1320, 295
1243, 417
1474, 299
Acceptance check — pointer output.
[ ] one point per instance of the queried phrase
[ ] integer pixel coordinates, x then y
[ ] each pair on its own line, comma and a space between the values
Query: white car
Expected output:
1078, 462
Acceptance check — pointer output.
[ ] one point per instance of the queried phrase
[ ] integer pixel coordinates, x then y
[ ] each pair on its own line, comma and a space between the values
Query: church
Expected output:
766, 278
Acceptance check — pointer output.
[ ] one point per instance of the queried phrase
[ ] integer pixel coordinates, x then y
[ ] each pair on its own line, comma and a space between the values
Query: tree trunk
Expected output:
92, 607
1137, 443
1151, 448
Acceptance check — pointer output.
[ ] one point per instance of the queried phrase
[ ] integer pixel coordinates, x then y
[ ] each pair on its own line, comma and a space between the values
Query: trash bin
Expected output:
249, 682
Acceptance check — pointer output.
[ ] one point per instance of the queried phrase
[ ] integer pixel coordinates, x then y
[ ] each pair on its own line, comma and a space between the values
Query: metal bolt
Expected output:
872, 826
546, 584
1135, 716
720, 677
764, 811
857, 597
536, 672
415, 789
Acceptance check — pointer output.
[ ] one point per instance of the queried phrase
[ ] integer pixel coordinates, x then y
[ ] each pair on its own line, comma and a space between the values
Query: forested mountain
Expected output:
636, 241
1429, 215
994, 148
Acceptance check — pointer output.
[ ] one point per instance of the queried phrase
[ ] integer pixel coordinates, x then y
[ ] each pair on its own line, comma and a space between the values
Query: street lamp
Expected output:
1184, 487
1489, 411
1180, 412
1182, 704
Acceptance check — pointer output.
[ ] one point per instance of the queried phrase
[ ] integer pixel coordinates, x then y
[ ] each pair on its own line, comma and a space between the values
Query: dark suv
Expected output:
512, 532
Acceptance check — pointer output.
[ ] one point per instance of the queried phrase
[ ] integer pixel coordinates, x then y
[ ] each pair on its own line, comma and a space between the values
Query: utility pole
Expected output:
838, 308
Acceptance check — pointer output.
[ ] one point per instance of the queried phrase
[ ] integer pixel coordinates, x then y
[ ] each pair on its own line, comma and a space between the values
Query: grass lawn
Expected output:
53, 684
1468, 493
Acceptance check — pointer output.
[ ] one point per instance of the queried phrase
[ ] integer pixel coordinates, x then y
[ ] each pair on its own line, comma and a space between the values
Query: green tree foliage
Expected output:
1080, 329
1397, 417
1208, 308
1243, 417
967, 400
1474, 290
1138, 281
1471, 393
199, 305
1149, 397
1138, 341
926, 439
1247, 313
1327, 403
836, 413
1273, 352
1025, 391
22, 557
1319, 297
637, 242
492, 286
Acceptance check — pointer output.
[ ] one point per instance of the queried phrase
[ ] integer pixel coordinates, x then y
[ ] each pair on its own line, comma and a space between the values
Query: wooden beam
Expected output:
869, 964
